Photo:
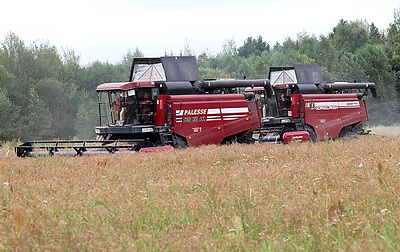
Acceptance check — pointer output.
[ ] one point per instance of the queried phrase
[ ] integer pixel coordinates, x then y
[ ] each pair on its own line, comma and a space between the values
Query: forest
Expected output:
47, 94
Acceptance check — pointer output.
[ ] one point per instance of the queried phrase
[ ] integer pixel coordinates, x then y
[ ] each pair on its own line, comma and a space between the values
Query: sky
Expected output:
106, 30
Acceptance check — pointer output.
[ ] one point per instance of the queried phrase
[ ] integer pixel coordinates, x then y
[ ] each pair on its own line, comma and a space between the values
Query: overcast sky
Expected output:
106, 30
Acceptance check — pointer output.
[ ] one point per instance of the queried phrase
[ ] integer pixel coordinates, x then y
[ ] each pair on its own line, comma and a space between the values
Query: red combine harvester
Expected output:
305, 108
166, 103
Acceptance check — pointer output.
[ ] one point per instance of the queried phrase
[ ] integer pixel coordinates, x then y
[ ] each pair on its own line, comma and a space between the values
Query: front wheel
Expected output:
179, 143
311, 132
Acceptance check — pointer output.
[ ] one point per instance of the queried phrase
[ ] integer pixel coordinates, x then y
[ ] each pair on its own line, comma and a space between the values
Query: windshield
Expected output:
109, 107
128, 107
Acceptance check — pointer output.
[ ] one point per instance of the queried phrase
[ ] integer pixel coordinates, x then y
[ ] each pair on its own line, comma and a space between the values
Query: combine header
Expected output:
72, 147
165, 104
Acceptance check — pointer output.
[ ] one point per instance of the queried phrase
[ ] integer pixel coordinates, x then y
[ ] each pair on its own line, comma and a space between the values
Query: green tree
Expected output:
35, 122
327, 53
288, 54
375, 36
208, 67
372, 60
98, 73
308, 45
393, 50
259, 65
8, 81
71, 71
46, 62
33, 63
16, 57
393, 37
87, 117
62, 102
349, 36
253, 46
123, 68
9, 114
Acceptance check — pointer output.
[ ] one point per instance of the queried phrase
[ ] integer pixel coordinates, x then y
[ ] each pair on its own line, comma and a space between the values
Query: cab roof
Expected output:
125, 86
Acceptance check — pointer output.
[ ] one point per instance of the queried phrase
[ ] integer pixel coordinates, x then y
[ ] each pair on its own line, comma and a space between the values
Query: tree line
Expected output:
47, 94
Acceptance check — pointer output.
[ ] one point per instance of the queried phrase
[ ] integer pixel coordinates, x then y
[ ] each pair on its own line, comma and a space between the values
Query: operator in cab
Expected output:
128, 108
145, 109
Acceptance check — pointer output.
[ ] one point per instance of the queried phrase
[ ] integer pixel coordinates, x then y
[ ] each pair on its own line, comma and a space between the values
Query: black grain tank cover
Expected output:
308, 74
183, 68
175, 88
308, 78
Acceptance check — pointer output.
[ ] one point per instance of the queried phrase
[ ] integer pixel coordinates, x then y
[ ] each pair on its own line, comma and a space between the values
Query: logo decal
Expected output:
331, 105
212, 114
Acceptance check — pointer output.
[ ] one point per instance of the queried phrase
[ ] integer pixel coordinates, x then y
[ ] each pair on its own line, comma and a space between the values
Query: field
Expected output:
334, 195
386, 131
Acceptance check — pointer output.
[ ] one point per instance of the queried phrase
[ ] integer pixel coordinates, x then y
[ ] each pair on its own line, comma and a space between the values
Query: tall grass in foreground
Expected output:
336, 195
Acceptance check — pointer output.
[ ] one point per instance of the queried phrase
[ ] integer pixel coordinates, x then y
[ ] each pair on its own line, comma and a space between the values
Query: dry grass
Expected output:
338, 195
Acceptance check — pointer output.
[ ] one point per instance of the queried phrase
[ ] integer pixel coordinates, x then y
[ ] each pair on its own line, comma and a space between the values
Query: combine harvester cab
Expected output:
305, 108
165, 104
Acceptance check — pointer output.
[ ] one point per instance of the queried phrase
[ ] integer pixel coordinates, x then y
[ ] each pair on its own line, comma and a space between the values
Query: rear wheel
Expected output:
246, 138
347, 133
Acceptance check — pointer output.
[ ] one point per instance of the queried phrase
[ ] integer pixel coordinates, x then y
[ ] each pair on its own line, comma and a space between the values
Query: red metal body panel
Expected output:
124, 86
295, 136
295, 105
158, 148
160, 115
329, 113
208, 119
